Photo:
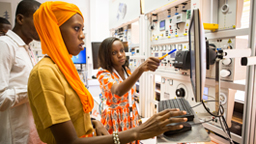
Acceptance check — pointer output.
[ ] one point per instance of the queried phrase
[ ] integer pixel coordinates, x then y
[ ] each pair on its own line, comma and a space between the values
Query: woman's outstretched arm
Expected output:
64, 133
151, 64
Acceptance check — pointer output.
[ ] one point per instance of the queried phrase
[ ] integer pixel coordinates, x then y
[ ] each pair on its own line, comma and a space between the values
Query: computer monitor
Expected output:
197, 55
95, 51
80, 58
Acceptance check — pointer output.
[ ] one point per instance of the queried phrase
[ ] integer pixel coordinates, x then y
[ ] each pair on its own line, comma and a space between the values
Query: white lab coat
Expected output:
16, 119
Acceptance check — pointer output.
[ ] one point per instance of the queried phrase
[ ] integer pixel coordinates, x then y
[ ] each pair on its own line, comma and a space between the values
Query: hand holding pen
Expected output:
167, 54
152, 63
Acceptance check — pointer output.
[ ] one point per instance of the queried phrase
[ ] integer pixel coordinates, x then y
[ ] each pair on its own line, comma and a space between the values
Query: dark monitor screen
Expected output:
95, 50
197, 55
80, 58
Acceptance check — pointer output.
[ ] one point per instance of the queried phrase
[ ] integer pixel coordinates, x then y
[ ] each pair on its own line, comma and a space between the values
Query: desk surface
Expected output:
197, 134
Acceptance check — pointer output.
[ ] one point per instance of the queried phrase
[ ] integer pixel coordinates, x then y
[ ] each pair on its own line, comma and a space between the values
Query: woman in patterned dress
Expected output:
117, 84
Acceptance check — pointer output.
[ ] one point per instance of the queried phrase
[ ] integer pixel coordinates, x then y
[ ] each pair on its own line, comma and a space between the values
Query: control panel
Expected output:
169, 61
231, 68
171, 23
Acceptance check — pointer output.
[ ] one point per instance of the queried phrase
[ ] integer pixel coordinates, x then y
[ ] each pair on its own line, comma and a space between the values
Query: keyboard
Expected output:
180, 103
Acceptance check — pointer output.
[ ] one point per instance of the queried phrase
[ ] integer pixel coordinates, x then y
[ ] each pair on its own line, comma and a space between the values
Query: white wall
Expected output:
99, 20
99, 12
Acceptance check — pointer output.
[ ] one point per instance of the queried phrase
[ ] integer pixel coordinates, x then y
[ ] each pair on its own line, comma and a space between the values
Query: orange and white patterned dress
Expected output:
116, 117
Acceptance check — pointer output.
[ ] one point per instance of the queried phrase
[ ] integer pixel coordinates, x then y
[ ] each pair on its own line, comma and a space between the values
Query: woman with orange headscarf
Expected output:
59, 101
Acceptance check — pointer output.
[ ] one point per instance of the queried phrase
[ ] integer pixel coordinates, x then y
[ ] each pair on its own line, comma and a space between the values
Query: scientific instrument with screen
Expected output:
205, 70
197, 50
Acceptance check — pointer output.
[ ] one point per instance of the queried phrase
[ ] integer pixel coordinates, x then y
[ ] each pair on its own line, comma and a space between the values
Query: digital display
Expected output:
162, 25
172, 55
80, 58
156, 54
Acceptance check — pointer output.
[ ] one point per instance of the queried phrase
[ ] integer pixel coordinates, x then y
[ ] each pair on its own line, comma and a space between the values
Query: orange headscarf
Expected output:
47, 19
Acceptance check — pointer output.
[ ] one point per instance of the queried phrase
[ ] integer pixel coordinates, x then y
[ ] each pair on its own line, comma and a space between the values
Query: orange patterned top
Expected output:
116, 116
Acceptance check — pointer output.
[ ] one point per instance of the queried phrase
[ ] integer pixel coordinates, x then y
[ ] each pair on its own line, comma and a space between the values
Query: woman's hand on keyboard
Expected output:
158, 124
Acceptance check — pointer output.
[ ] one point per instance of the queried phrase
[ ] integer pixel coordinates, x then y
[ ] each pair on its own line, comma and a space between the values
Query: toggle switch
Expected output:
225, 73
227, 61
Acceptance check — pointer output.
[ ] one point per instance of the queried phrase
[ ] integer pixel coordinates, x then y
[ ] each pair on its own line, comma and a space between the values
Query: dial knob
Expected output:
180, 92
225, 73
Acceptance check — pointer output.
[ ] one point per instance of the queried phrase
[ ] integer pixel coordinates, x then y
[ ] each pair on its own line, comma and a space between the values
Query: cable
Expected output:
201, 103
213, 45
226, 129
222, 120
223, 127
177, 25
220, 106
202, 122
226, 125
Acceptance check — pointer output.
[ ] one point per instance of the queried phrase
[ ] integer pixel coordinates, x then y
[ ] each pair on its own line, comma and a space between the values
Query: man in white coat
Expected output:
16, 61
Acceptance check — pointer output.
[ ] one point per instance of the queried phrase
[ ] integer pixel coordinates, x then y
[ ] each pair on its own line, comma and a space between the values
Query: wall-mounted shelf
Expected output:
227, 33
211, 35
